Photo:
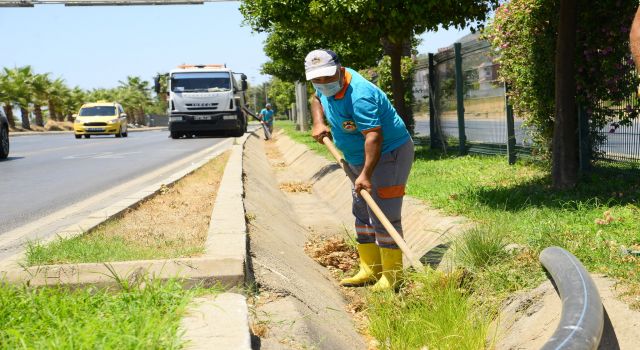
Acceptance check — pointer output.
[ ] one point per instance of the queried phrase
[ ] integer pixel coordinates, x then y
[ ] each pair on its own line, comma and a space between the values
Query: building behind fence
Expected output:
460, 103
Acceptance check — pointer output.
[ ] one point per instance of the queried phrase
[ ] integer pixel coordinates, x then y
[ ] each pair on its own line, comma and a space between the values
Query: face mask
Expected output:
328, 89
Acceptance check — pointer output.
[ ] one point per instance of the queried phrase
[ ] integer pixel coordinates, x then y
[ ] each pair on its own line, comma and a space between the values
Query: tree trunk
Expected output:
52, 110
8, 111
565, 166
395, 51
24, 114
37, 110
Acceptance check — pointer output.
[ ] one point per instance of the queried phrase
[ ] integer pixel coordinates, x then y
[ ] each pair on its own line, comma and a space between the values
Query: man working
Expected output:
266, 115
376, 146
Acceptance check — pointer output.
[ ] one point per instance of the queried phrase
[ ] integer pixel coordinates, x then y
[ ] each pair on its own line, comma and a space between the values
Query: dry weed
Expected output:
178, 217
332, 252
296, 187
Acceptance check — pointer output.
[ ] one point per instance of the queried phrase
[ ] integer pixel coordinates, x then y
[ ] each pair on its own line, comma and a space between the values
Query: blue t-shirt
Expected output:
266, 114
361, 108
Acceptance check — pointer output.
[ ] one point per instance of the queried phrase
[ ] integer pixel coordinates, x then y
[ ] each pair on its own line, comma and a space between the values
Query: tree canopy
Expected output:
357, 30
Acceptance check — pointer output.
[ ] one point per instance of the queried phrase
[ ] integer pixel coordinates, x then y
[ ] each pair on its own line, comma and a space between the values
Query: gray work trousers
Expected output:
388, 181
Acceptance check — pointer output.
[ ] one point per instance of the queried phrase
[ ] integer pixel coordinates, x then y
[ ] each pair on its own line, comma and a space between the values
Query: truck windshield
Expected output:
200, 82
97, 111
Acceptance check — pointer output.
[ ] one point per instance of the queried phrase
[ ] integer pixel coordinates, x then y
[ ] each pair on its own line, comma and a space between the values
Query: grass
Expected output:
433, 313
510, 204
517, 202
58, 318
304, 138
174, 223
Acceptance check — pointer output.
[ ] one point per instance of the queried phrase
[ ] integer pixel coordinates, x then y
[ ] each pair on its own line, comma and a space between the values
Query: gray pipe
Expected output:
582, 317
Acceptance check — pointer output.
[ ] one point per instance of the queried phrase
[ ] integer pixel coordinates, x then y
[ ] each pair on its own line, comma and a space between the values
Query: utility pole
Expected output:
266, 96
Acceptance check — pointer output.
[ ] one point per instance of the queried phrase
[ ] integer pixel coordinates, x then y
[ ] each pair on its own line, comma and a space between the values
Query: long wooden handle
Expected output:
264, 126
374, 207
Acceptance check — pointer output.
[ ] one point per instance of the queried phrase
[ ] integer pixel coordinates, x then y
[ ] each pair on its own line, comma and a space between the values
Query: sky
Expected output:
95, 47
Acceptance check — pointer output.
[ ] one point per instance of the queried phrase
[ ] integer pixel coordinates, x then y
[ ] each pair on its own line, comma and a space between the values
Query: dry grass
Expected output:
178, 215
174, 223
271, 149
260, 329
50, 125
334, 253
296, 187
340, 258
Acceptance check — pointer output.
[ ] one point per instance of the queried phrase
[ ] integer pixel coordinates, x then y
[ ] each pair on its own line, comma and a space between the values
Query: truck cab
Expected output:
205, 99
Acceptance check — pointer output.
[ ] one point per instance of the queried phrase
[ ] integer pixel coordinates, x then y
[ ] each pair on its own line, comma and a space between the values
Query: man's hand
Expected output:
363, 182
319, 131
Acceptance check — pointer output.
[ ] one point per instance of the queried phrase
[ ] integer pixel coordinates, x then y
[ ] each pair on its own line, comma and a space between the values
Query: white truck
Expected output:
205, 99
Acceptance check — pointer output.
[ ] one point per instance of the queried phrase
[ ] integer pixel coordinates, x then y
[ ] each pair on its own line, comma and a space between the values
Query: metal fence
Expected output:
621, 138
471, 106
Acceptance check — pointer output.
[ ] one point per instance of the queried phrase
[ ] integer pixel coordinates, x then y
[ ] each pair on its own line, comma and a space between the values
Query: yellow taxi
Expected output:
100, 118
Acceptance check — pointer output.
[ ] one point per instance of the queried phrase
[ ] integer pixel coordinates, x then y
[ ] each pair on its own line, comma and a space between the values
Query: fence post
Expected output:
460, 99
511, 133
583, 140
433, 131
301, 103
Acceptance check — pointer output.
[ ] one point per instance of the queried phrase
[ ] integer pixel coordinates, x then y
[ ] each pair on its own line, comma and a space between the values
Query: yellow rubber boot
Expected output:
370, 266
391, 270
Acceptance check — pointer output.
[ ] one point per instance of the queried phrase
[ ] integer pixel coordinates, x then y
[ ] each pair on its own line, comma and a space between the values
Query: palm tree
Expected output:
22, 79
137, 95
40, 86
73, 100
55, 100
7, 96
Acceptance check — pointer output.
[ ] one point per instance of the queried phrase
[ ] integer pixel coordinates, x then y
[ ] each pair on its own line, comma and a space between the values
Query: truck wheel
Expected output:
78, 136
175, 135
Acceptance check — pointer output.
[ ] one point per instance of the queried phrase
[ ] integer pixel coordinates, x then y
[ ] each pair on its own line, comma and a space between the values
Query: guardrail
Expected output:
582, 318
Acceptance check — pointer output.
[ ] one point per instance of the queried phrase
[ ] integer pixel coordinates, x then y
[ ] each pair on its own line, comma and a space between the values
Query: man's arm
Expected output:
320, 129
372, 151
634, 39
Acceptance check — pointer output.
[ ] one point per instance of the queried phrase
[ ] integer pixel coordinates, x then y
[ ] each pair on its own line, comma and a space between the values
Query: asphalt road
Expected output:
482, 130
625, 141
46, 173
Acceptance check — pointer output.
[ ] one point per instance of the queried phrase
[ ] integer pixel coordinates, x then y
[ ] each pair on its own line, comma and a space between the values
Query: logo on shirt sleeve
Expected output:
349, 125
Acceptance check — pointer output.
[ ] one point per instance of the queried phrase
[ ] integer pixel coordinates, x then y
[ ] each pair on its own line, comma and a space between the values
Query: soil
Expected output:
530, 318
174, 222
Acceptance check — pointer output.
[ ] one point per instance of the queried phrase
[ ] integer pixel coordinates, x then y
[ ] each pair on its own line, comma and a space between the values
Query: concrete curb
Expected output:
31, 133
219, 322
192, 271
100, 216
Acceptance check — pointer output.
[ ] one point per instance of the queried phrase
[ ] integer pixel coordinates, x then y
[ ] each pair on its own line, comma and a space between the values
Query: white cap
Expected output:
320, 63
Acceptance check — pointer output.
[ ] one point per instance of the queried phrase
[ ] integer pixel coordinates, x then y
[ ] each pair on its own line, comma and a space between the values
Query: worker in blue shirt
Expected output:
266, 116
377, 147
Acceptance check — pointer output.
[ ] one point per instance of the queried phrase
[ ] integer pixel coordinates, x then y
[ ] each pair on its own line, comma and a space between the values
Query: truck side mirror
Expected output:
243, 78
